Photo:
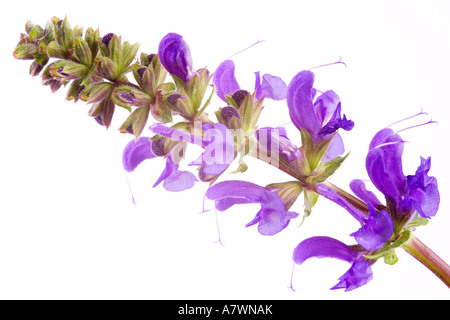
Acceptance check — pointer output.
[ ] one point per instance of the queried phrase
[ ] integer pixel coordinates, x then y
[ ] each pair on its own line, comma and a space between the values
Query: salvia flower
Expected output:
225, 83
376, 230
405, 194
271, 219
321, 117
217, 140
135, 152
174, 180
360, 272
175, 56
277, 137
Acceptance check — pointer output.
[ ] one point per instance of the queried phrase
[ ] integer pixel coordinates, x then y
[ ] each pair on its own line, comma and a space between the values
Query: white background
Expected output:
68, 227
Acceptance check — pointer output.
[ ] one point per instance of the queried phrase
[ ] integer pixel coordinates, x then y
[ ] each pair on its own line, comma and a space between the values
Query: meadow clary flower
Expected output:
225, 82
175, 56
217, 141
174, 180
376, 227
273, 137
406, 193
135, 152
321, 117
360, 272
271, 219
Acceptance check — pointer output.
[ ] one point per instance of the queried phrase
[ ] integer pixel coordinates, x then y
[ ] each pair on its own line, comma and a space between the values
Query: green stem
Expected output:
428, 258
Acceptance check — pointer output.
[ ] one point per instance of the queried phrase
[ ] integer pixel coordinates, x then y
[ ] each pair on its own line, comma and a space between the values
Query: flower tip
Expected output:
175, 56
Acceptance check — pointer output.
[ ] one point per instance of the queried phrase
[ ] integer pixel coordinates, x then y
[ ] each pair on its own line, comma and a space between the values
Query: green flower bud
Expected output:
68, 70
103, 112
83, 52
54, 50
98, 91
136, 122
26, 51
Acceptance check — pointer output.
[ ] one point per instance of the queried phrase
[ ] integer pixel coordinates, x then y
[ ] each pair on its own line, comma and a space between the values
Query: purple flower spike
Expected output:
224, 80
360, 272
175, 56
378, 229
135, 152
271, 219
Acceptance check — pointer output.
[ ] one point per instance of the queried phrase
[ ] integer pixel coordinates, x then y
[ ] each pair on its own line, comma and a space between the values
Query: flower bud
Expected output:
98, 91
83, 51
239, 96
68, 70
179, 104
26, 51
54, 50
175, 56
35, 68
103, 112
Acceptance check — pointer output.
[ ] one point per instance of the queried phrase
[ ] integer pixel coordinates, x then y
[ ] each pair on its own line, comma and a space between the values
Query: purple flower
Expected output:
219, 149
384, 165
136, 152
173, 179
272, 87
360, 272
320, 118
271, 219
218, 142
376, 229
273, 137
176, 57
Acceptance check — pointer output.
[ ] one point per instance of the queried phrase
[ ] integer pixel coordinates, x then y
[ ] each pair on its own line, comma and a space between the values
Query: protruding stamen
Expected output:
129, 187
291, 286
330, 64
417, 125
235, 54
390, 143
410, 117
219, 240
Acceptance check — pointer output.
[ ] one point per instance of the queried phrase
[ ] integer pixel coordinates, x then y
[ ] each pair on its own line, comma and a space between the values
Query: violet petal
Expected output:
300, 94
175, 56
378, 229
359, 274
323, 247
224, 79
135, 152
359, 189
